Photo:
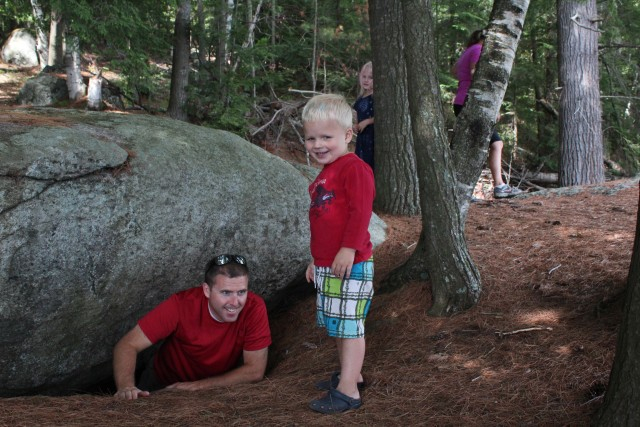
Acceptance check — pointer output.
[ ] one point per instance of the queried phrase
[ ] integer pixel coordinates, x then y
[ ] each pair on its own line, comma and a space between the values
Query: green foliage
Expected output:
342, 46
133, 35
14, 14
532, 94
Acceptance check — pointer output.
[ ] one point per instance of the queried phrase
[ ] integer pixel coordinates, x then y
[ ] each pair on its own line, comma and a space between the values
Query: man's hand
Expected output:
343, 262
130, 393
124, 363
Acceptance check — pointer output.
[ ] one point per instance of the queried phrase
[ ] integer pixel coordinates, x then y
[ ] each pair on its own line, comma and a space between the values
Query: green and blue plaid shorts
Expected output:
342, 304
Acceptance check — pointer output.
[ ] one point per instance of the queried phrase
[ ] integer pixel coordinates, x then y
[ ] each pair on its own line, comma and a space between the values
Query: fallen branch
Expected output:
501, 334
266, 125
305, 92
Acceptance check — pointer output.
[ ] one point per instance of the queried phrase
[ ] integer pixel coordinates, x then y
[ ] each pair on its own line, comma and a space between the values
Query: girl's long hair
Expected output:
476, 37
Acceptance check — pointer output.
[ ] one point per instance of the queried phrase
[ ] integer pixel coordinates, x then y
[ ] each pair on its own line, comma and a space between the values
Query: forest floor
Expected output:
535, 351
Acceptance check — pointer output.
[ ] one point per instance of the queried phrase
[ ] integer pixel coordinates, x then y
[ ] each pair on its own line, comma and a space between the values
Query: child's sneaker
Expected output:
503, 191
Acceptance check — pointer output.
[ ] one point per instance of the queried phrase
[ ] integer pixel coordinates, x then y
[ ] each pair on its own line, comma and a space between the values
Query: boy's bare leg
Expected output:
351, 352
495, 162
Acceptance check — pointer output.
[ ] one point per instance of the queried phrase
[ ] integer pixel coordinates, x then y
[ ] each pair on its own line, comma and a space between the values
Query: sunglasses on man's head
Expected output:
225, 259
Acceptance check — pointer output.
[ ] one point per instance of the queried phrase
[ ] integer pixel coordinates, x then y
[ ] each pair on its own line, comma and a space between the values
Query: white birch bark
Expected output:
94, 93
42, 43
75, 85
474, 125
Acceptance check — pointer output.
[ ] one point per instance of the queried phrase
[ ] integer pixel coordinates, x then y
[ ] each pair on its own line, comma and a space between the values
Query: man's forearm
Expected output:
124, 366
241, 375
253, 369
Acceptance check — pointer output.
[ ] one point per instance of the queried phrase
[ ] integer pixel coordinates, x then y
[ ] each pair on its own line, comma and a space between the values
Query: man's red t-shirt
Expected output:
196, 346
341, 205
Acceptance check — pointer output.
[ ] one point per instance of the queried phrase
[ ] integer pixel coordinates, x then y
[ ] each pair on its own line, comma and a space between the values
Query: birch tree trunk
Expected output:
252, 21
470, 143
180, 64
75, 85
42, 45
94, 93
224, 33
56, 40
581, 150
396, 176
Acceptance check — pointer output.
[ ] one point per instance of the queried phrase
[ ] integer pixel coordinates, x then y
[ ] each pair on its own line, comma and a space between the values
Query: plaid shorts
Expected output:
343, 304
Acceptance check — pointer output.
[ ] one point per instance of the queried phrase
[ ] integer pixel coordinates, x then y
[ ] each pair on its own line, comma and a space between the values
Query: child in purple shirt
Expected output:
464, 71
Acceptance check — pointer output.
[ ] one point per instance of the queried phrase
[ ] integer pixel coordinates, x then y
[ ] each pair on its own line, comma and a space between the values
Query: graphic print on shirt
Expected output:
321, 198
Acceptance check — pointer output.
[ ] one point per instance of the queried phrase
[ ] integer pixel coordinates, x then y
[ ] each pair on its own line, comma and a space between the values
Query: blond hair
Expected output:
367, 66
328, 107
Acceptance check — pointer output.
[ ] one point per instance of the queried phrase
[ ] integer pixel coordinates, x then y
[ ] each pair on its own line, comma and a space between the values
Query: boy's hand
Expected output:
343, 262
309, 272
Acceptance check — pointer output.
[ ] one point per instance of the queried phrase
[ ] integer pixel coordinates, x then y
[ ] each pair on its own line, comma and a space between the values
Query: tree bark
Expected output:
620, 407
75, 85
94, 93
42, 45
180, 65
56, 40
473, 126
202, 36
396, 176
224, 34
314, 59
470, 144
455, 280
581, 150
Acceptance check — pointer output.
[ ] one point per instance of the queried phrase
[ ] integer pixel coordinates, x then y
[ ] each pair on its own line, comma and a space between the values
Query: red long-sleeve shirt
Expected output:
341, 206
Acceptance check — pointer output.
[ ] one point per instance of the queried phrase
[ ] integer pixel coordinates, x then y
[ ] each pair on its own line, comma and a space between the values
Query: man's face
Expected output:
227, 296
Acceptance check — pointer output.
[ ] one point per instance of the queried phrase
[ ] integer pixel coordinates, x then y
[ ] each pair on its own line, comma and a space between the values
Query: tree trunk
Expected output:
94, 93
224, 34
396, 176
581, 157
180, 65
252, 21
621, 406
473, 126
455, 280
75, 85
314, 59
274, 20
471, 137
202, 36
42, 45
56, 40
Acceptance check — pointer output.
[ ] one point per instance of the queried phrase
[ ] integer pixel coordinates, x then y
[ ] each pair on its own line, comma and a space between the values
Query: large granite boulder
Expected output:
43, 90
103, 215
20, 49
